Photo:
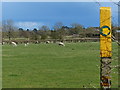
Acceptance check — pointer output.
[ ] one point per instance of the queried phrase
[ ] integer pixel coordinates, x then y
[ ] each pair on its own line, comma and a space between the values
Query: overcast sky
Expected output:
35, 14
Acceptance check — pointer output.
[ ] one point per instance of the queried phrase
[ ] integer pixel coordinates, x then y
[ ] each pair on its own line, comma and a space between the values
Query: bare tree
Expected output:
59, 31
74, 25
44, 32
77, 29
8, 26
58, 26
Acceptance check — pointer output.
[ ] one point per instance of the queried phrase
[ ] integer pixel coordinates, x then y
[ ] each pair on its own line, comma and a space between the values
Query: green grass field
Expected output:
53, 66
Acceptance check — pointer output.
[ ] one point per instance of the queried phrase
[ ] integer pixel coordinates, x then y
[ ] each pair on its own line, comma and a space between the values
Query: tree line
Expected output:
59, 31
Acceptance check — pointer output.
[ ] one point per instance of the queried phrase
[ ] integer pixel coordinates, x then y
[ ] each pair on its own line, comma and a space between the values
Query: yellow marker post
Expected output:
105, 46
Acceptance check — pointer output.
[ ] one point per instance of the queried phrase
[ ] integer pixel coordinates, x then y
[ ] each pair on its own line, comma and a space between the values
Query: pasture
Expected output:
54, 66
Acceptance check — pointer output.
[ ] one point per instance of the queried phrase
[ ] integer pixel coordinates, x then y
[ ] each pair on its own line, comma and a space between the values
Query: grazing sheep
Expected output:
61, 44
47, 42
3, 43
14, 44
37, 42
26, 44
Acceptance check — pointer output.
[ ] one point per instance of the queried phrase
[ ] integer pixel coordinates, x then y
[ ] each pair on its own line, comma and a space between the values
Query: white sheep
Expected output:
26, 44
47, 42
37, 42
61, 43
14, 44
3, 43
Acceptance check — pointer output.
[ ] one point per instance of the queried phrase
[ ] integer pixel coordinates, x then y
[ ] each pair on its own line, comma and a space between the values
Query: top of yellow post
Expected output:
105, 16
105, 8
